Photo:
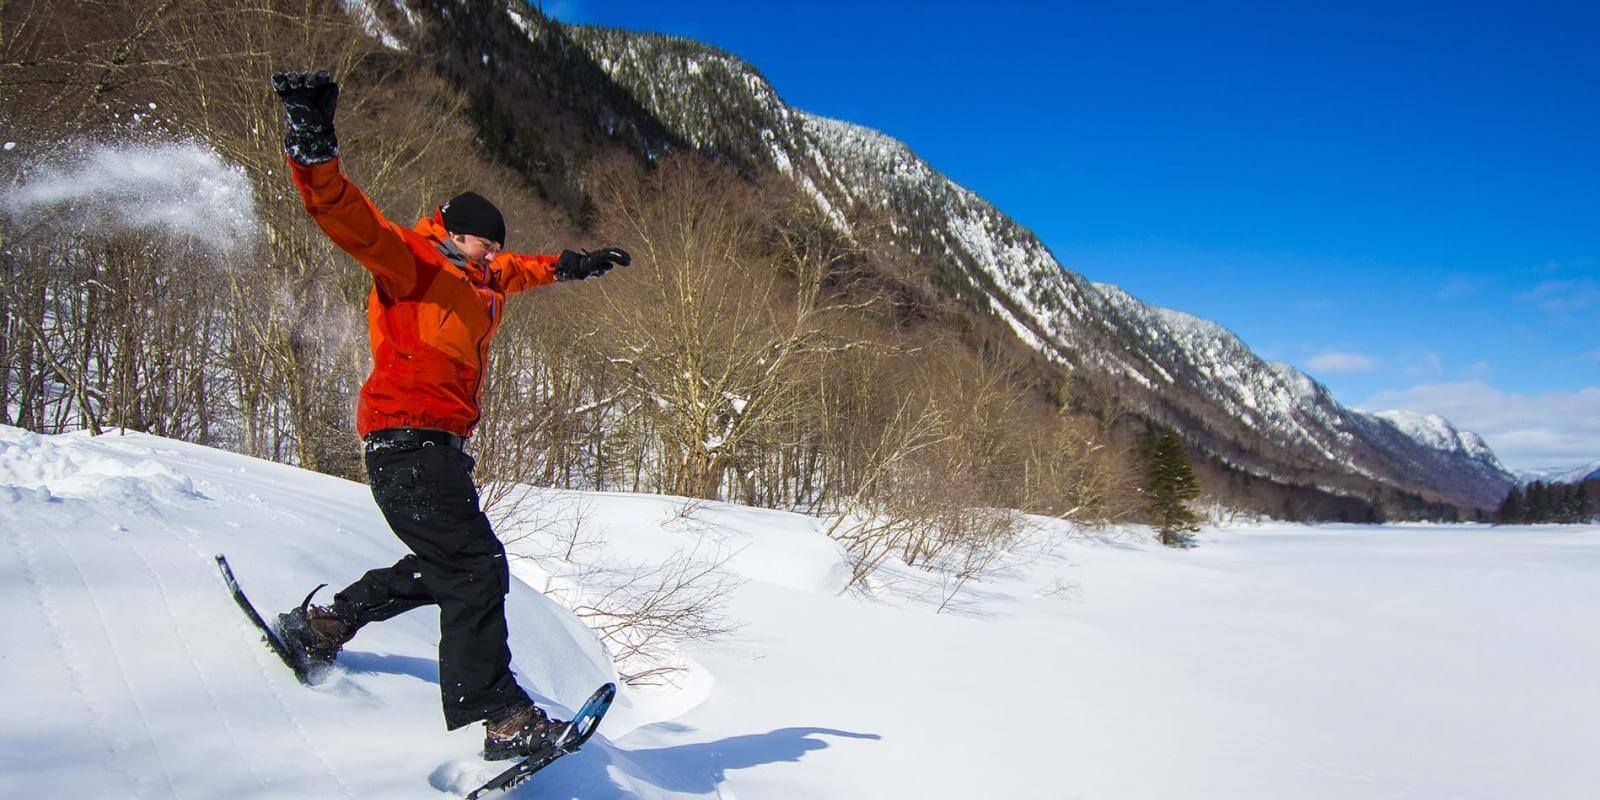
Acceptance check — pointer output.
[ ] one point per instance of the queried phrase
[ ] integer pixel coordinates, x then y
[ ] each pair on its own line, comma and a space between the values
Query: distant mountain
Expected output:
1586, 472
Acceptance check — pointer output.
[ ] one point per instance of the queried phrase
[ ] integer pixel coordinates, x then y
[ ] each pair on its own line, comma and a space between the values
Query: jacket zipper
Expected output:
483, 366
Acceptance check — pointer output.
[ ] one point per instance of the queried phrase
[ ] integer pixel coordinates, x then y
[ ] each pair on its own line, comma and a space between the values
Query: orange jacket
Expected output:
431, 313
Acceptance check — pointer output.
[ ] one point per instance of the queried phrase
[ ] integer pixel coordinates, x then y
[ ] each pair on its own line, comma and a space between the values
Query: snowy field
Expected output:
1271, 662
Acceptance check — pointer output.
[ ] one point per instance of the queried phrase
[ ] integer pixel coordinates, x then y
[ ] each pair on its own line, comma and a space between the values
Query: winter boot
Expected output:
315, 633
520, 732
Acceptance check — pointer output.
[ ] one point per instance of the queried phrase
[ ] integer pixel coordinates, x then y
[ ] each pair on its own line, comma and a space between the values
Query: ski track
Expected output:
122, 668
193, 661
71, 657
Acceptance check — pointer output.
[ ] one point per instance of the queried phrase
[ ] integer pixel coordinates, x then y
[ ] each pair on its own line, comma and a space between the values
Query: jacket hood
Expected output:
432, 226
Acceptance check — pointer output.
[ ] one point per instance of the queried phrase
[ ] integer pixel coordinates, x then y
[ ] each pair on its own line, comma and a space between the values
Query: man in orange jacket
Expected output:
438, 295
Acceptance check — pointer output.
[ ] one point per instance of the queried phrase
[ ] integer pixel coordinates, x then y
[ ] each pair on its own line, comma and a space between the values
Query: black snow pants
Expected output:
427, 495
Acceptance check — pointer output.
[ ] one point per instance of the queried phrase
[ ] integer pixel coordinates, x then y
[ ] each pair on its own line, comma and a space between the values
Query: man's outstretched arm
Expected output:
519, 272
338, 206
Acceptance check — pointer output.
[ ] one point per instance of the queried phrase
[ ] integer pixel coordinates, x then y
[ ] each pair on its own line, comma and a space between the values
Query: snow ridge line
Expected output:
122, 666
99, 716
188, 652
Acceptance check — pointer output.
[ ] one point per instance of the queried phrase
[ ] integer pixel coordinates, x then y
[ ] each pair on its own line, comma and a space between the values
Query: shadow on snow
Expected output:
606, 772
358, 662
595, 771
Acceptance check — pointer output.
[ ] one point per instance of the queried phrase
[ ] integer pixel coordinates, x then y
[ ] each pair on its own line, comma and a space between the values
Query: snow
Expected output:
184, 189
516, 18
368, 17
1431, 430
1271, 661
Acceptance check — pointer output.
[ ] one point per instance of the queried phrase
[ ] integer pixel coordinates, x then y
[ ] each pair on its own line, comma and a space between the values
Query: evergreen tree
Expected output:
1510, 512
1534, 504
1171, 484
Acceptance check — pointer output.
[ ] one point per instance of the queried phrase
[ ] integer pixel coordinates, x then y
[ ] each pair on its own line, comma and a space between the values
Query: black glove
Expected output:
309, 99
576, 265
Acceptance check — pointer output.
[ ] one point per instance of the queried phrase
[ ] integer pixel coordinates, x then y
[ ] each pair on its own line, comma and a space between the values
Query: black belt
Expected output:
415, 437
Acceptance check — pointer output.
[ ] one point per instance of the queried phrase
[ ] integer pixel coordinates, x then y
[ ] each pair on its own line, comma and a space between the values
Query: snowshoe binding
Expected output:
314, 634
522, 732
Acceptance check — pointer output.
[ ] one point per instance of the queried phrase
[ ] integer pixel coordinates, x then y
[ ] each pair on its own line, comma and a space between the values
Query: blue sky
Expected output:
1401, 199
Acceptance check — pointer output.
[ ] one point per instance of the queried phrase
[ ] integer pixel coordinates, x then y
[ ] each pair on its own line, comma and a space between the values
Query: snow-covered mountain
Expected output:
1586, 472
1268, 419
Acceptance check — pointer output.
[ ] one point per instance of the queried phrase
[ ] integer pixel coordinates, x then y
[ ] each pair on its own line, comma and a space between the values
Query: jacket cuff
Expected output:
314, 176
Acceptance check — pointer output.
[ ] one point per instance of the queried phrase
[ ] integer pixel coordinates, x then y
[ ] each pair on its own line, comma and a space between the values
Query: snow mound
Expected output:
69, 467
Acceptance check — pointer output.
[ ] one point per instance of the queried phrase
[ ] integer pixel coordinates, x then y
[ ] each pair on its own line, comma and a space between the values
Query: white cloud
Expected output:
1525, 430
1335, 361
1555, 266
1565, 296
1430, 366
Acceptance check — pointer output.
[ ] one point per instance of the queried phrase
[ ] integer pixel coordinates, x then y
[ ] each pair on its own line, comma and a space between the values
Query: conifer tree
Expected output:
1510, 512
1572, 502
1171, 484
1536, 503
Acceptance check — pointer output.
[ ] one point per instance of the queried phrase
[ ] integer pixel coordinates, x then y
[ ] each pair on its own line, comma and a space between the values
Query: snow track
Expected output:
128, 697
68, 656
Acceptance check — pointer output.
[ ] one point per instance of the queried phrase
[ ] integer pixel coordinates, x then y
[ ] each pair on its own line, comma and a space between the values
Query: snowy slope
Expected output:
1273, 661
129, 673
1436, 432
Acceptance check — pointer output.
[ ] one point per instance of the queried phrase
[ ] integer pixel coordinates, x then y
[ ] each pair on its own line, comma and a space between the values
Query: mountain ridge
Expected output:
1577, 474
1090, 328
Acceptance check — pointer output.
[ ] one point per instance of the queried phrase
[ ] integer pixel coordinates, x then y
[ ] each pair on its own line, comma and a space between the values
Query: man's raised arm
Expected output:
338, 206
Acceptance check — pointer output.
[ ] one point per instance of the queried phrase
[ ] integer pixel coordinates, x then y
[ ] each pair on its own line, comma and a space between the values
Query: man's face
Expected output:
477, 249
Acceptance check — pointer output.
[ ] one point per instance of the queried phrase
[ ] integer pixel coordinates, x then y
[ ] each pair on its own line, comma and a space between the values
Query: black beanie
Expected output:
469, 213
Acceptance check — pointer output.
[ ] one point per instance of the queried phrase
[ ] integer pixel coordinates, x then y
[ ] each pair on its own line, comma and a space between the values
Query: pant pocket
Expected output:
402, 483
